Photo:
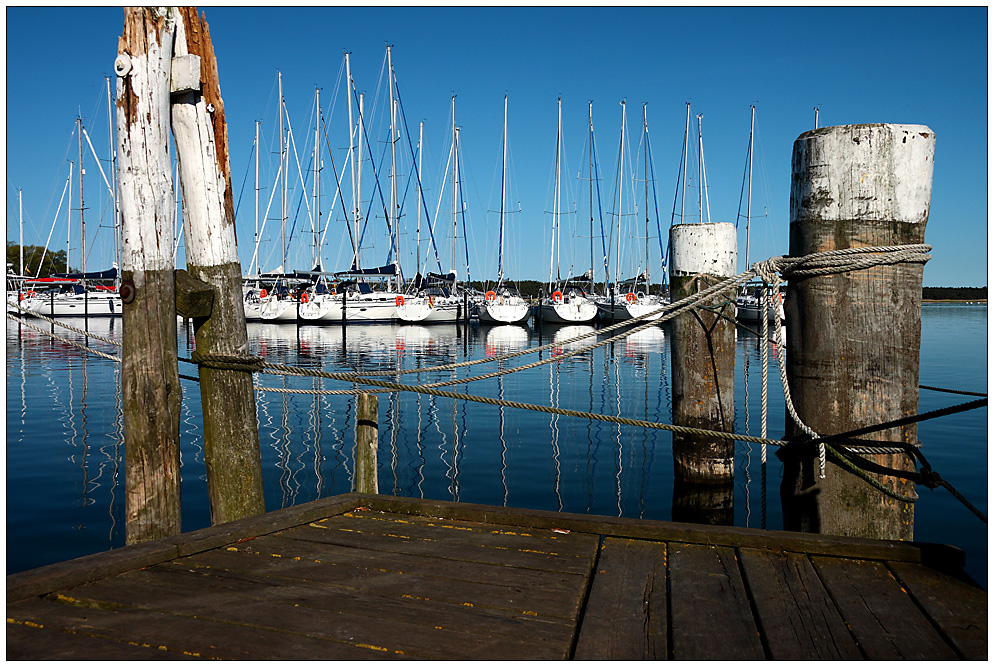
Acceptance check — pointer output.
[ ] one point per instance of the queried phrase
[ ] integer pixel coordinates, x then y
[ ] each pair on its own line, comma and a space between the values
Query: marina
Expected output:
435, 448
696, 458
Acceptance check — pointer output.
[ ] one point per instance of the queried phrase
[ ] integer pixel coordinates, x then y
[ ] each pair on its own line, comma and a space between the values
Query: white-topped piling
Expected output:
703, 365
853, 338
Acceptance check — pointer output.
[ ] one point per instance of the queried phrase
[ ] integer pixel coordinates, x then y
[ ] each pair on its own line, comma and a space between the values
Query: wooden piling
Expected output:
853, 338
366, 442
703, 352
150, 376
231, 436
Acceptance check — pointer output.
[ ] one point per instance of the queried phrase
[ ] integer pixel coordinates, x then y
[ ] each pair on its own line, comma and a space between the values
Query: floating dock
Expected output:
377, 577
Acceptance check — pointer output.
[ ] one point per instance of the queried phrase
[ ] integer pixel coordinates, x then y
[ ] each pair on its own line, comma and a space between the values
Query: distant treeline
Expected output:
955, 293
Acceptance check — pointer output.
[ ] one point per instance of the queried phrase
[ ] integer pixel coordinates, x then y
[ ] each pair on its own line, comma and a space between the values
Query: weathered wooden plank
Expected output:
625, 614
662, 531
536, 582
561, 543
458, 545
42, 580
710, 613
885, 621
957, 607
794, 611
298, 616
201, 638
26, 642
545, 602
381, 608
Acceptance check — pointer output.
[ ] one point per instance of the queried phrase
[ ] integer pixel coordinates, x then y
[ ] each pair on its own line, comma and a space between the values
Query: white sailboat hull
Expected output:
74, 305
504, 311
570, 311
424, 310
623, 309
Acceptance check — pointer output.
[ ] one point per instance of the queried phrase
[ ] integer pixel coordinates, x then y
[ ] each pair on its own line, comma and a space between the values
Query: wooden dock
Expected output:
377, 577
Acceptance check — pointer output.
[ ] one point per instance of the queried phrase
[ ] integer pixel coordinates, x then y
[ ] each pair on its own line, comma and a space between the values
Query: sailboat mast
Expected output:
455, 180
255, 255
358, 204
69, 220
456, 200
559, 141
645, 158
421, 135
354, 218
20, 226
503, 181
316, 226
283, 157
686, 150
553, 264
590, 174
82, 222
621, 190
113, 178
394, 204
752, 129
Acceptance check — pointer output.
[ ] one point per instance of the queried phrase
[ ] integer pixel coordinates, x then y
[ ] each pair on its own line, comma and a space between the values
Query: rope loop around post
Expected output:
228, 362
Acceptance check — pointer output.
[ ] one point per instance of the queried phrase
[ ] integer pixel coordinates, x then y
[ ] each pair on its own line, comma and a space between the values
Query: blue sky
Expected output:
896, 65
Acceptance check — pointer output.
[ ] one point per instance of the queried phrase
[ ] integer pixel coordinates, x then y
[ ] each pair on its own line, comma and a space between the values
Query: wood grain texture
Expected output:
958, 608
625, 616
150, 376
796, 616
711, 616
882, 616
231, 435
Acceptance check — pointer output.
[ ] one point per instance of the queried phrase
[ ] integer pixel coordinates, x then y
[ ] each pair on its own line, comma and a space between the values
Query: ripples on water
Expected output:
65, 435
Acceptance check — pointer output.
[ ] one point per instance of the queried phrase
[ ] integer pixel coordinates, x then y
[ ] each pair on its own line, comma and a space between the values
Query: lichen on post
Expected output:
150, 377
231, 436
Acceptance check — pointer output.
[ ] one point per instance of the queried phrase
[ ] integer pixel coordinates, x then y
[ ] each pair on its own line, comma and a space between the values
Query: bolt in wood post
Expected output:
366, 442
703, 362
231, 436
853, 338
150, 376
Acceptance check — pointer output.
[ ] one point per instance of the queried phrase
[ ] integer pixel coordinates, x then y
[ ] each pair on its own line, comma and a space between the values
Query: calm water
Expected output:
65, 436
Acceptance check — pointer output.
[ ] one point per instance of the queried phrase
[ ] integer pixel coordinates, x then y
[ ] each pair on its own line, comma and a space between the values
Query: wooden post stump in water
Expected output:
150, 377
853, 338
703, 364
231, 435
366, 442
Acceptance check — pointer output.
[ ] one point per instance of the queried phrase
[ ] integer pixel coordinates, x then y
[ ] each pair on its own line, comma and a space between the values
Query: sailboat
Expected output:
630, 298
80, 293
567, 301
503, 303
435, 297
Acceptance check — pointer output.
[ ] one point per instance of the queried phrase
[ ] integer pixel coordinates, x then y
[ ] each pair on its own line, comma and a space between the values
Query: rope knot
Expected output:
228, 362
768, 270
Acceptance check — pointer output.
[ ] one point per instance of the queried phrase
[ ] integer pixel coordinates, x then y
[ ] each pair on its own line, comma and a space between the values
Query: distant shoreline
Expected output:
984, 301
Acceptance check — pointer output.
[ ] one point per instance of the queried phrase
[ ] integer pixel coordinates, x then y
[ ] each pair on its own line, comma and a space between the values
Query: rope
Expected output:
65, 340
56, 322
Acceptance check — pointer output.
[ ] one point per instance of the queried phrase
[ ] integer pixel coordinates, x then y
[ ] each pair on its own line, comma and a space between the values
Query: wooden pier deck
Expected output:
377, 577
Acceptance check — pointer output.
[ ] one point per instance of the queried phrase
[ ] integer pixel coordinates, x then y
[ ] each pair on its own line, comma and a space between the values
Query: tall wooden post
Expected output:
853, 338
703, 364
366, 442
231, 435
150, 377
